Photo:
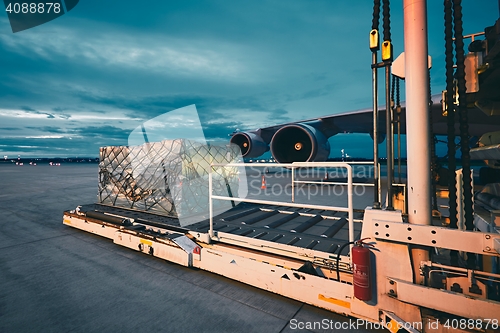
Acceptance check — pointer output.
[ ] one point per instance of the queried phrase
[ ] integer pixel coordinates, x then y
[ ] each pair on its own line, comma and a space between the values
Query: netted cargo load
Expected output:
169, 177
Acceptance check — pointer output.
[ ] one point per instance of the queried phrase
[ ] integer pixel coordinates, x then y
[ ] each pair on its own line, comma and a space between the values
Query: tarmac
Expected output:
55, 278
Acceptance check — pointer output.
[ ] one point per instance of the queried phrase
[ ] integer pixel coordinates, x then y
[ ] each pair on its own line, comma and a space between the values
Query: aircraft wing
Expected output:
307, 140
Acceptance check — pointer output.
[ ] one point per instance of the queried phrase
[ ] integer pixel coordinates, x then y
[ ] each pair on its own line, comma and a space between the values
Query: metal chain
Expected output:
398, 121
462, 108
387, 20
376, 14
434, 162
448, 31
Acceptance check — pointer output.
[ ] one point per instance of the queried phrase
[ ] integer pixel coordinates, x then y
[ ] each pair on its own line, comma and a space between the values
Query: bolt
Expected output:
488, 248
392, 292
487, 236
391, 282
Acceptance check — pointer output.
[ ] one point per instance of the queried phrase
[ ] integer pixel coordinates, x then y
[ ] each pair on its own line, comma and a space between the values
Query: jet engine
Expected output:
250, 143
299, 143
380, 137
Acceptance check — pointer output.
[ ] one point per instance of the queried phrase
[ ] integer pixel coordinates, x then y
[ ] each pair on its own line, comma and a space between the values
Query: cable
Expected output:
338, 258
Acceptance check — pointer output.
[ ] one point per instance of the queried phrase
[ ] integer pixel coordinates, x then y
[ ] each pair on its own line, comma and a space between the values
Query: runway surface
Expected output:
55, 278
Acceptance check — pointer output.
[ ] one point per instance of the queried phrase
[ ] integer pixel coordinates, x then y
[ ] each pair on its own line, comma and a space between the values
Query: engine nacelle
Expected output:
299, 143
380, 137
251, 144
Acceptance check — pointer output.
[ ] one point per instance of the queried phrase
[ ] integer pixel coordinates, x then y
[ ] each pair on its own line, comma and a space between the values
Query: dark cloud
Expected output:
209, 107
31, 110
48, 129
103, 132
323, 91
278, 115
219, 131
61, 112
98, 111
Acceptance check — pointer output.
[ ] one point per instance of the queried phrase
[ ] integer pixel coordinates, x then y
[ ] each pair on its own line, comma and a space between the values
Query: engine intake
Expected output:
251, 144
299, 143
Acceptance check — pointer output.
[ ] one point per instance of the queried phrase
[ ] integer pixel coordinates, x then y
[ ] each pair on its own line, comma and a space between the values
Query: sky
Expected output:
90, 77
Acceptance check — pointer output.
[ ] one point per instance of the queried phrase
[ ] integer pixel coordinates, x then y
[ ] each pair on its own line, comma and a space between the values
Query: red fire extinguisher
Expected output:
361, 271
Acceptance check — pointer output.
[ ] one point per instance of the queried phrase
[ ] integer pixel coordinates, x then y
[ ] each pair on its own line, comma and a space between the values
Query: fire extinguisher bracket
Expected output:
392, 288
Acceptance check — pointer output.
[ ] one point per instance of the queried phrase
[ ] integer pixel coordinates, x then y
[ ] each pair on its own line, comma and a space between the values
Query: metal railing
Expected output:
349, 209
337, 183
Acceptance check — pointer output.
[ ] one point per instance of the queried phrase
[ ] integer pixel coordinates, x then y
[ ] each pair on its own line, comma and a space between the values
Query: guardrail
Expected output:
337, 183
349, 209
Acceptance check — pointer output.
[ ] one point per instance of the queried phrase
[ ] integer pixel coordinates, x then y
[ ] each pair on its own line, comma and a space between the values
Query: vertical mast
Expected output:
417, 119
417, 122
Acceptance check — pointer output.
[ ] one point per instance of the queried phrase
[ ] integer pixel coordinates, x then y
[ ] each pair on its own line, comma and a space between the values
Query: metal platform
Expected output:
311, 229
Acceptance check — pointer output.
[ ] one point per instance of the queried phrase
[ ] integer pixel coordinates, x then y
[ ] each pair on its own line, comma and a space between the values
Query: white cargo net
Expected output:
165, 168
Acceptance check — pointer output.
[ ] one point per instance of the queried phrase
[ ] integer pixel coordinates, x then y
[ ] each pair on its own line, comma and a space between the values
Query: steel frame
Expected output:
275, 267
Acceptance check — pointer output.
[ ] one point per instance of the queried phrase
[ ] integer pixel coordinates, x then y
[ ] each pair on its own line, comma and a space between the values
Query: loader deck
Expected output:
312, 229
